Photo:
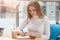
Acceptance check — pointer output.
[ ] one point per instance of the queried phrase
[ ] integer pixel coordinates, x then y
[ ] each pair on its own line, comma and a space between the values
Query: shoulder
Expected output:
46, 18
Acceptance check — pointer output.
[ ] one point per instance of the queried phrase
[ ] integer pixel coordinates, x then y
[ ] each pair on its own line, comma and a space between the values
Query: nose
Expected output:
32, 12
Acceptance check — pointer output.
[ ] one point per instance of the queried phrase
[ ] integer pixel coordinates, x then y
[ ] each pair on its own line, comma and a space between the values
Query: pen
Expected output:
22, 30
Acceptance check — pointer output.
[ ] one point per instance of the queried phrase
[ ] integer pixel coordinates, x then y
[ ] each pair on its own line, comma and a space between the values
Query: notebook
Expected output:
22, 36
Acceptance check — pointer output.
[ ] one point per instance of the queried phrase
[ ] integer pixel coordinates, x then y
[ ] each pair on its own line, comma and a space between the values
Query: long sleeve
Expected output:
23, 24
46, 34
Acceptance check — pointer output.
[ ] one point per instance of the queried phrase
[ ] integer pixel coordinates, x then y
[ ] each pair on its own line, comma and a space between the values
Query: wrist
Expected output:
38, 36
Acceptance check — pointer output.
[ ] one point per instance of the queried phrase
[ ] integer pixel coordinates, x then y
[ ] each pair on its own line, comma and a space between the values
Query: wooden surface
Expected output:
30, 39
9, 35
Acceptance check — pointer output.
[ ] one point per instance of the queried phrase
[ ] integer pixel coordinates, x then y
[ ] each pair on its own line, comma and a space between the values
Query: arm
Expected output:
18, 31
46, 34
22, 25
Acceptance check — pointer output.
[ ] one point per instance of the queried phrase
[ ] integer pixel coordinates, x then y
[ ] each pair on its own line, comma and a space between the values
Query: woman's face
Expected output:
32, 11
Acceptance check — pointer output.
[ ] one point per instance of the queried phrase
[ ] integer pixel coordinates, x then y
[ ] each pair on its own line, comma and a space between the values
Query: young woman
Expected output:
37, 24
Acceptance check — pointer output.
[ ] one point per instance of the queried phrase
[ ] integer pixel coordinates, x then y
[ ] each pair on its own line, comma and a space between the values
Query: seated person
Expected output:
37, 24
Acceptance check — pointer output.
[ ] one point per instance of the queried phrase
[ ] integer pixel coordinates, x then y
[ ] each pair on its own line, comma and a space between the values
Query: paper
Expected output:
23, 37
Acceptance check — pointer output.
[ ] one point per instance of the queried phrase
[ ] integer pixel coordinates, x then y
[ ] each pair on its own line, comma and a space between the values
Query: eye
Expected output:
29, 10
34, 10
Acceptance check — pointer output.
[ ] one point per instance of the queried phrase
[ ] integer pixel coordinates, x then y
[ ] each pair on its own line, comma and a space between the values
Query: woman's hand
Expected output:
29, 34
38, 36
26, 33
22, 34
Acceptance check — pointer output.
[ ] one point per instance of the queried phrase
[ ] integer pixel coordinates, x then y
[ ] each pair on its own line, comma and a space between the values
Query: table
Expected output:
9, 35
29, 39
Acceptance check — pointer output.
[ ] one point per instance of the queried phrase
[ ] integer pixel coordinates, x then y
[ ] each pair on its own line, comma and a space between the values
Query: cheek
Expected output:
35, 12
31, 13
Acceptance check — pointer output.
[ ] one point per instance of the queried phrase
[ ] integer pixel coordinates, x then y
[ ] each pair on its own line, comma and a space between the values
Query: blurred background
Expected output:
12, 12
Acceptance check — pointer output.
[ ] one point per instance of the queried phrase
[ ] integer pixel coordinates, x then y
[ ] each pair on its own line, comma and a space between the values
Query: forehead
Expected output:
32, 8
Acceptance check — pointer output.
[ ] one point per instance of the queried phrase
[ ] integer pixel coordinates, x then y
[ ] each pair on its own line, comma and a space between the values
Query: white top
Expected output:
37, 26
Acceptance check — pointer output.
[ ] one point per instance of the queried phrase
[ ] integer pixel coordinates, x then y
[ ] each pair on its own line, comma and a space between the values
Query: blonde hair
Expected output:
37, 6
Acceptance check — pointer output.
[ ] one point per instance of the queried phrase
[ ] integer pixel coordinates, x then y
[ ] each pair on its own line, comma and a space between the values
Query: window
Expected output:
48, 8
8, 11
